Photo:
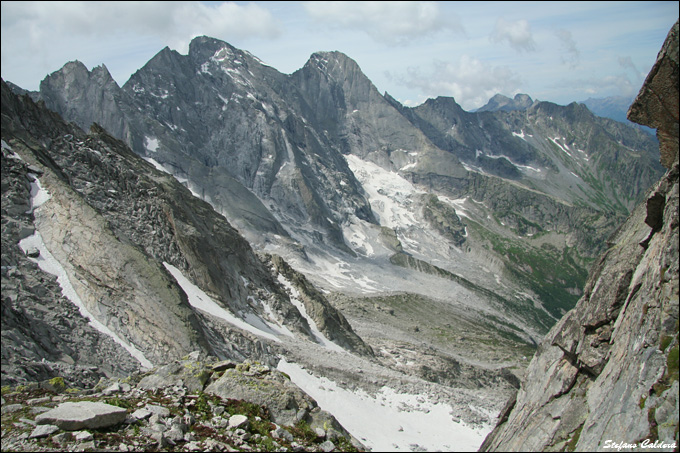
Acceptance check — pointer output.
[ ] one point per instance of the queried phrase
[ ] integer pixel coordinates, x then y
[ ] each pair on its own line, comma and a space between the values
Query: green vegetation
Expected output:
304, 431
58, 384
125, 403
641, 403
665, 342
571, 445
551, 273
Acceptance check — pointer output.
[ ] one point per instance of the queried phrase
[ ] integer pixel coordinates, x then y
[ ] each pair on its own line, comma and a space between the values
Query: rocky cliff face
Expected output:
607, 374
124, 237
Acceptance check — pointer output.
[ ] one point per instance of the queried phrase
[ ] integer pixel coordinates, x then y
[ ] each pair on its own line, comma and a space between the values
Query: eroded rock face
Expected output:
608, 371
657, 103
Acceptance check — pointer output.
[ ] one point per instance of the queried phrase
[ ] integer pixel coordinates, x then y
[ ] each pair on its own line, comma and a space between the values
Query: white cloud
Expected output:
611, 85
470, 81
570, 53
517, 34
167, 20
627, 63
41, 36
387, 22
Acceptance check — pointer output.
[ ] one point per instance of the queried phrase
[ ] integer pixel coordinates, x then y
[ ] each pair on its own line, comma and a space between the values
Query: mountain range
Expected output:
219, 205
281, 157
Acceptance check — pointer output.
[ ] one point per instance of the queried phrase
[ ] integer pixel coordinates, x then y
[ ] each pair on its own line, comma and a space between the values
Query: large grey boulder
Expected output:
82, 415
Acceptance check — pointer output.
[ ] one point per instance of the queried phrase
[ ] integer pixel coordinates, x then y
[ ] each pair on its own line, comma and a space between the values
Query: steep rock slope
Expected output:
126, 236
607, 373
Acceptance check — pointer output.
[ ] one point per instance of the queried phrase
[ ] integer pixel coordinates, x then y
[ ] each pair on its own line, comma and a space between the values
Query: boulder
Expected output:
84, 414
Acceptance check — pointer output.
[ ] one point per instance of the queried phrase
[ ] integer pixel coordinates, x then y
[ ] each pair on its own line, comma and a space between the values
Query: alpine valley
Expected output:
400, 265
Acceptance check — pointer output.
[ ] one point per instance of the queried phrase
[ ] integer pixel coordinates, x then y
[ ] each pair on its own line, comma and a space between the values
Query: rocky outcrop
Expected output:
327, 318
74, 416
174, 415
607, 373
657, 103
43, 333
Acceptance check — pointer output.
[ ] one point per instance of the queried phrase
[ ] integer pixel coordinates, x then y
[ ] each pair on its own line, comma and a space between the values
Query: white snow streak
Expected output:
562, 147
199, 299
38, 194
294, 298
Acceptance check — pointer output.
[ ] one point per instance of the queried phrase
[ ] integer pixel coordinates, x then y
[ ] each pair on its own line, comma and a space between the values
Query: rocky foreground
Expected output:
193, 404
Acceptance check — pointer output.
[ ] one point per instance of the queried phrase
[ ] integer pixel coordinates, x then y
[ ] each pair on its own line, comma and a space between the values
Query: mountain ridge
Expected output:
227, 124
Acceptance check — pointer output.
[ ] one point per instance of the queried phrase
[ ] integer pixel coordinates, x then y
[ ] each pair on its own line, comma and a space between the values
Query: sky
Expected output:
553, 51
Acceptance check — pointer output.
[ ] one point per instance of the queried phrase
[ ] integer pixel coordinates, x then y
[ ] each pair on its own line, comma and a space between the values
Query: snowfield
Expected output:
390, 421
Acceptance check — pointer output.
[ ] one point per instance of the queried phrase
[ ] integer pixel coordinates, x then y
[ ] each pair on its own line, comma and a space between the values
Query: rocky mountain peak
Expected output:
162, 58
333, 60
202, 48
446, 105
77, 93
504, 103
342, 72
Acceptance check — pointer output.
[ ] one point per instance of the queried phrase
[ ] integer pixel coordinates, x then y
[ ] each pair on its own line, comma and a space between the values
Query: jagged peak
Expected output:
501, 102
102, 72
76, 70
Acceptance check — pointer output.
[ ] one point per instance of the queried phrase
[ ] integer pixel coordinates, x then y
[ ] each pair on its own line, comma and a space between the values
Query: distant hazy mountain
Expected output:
614, 107
504, 103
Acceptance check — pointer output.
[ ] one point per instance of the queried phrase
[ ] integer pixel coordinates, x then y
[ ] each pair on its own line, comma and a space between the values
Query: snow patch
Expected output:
156, 164
520, 135
355, 235
39, 195
391, 196
566, 150
389, 421
151, 144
